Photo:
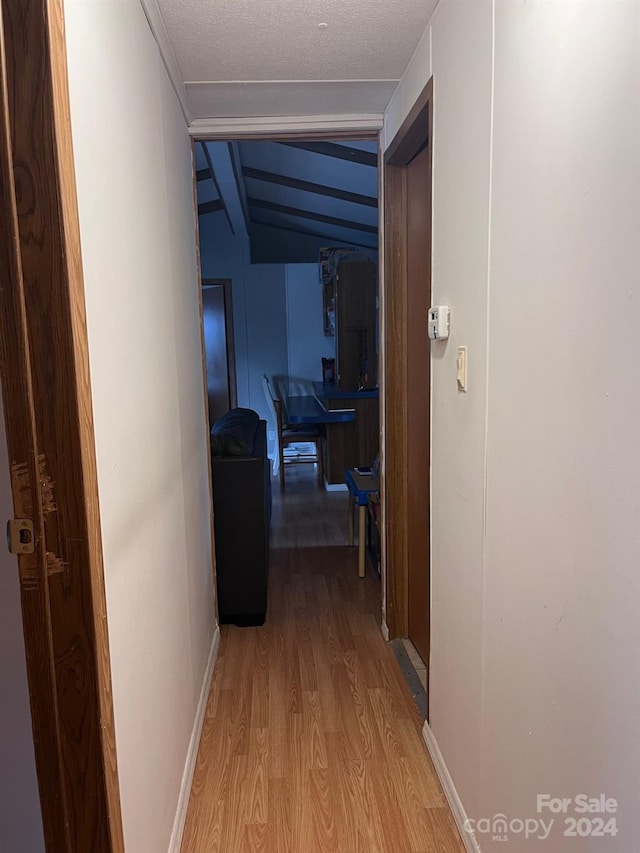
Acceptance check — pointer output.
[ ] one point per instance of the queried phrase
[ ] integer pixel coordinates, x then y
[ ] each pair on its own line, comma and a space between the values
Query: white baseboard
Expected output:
384, 629
455, 803
192, 753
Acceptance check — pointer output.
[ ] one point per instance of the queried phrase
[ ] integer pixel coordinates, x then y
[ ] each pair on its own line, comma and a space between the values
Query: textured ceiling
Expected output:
271, 57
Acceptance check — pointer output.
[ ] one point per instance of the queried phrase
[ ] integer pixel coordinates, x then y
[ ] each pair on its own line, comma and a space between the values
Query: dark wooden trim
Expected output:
210, 207
341, 152
412, 137
87, 792
309, 186
22, 443
311, 214
414, 132
332, 240
202, 175
227, 286
217, 186
394, 495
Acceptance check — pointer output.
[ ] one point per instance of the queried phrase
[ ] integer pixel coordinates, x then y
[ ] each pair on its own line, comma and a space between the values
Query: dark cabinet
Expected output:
352, 444
356, 326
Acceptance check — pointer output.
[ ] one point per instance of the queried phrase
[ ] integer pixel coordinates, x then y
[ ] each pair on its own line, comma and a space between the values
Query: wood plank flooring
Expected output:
311, 741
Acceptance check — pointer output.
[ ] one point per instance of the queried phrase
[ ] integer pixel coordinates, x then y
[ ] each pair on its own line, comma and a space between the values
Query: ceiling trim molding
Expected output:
159, 32
288, 81
274, 127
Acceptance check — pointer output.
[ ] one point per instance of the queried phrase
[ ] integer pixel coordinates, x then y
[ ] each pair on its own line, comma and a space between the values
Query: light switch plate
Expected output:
461, 364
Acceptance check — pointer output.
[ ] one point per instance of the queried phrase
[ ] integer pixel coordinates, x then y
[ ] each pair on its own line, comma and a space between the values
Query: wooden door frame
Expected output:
48, 413
226, 284
414, 134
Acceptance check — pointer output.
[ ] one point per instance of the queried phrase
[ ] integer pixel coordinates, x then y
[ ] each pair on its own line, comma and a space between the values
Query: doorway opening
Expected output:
291, 227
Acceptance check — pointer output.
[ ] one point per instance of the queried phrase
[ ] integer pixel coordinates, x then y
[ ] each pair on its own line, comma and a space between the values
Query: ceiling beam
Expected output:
217, 185
311, 214
308, 186
302, 231
202, 175
210, 206
241, 190
342, 152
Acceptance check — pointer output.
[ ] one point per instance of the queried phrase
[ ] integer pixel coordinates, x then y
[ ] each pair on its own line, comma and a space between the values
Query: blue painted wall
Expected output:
307, 343
259, 310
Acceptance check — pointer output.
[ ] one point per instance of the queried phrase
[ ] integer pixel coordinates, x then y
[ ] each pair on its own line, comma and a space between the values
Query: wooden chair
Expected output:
292, 434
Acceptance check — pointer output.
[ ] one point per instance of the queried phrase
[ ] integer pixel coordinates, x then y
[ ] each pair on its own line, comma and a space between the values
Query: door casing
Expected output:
225, 284
400, 384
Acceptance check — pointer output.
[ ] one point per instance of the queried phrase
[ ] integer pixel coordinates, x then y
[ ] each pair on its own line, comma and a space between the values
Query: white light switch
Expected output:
461, 364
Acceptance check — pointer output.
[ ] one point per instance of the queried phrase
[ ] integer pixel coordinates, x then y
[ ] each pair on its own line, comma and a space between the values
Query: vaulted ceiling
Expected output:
291, 57
291, 198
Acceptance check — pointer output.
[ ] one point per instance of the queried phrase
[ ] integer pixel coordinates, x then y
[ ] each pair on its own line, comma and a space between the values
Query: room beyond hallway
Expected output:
311, 740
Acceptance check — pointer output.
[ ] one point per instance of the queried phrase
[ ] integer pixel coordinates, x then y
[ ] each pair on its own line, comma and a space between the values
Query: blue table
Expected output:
360, 487
309, 410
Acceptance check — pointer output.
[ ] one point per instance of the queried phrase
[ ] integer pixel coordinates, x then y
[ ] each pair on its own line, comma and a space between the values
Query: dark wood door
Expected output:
44, 372
418, 402
215, 318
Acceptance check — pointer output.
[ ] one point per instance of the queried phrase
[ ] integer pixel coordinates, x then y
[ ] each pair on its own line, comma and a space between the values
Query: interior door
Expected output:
418, 403
216, 319
44, 372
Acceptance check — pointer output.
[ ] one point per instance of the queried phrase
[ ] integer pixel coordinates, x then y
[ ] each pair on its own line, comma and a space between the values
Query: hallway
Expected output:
311, 740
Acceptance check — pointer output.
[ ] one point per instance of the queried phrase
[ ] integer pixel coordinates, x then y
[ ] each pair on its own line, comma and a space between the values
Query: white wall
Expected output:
134, 176
307, 343
20, 818
266, 319
536, 470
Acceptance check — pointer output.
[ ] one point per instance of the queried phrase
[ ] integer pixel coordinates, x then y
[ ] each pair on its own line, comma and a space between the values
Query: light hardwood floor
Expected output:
311, 741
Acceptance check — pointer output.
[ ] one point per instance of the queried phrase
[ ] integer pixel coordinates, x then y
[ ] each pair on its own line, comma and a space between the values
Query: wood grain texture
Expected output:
356, 291
418, 398
311, 741
54, 302
394, 491
405, 489
22, 444
354, 443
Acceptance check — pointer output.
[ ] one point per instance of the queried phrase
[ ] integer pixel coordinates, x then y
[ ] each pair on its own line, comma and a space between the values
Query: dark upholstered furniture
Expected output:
241, 477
